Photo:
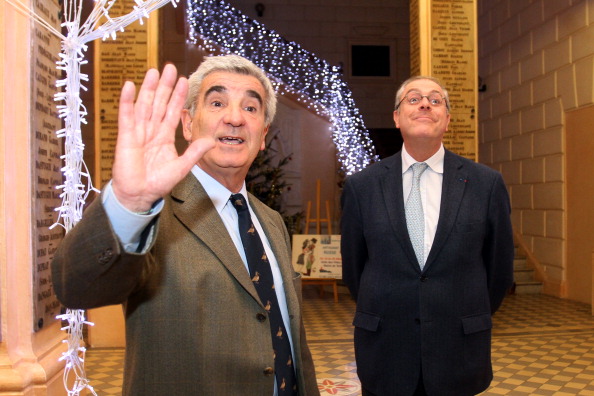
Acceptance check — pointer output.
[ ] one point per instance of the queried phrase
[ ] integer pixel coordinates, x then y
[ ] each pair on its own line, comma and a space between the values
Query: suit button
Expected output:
268, 371
105, 256
417, 321
261, 317
423, 278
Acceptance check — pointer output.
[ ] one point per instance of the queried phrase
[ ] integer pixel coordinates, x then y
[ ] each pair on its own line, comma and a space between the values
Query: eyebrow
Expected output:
419, 92
221, 89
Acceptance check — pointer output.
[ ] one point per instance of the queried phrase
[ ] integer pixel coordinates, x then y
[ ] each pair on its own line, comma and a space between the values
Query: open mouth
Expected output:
230, 140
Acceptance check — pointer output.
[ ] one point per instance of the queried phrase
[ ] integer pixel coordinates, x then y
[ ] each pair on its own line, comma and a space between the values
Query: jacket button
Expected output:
261, 317
423, 278
417, 321
268, 371
105, 256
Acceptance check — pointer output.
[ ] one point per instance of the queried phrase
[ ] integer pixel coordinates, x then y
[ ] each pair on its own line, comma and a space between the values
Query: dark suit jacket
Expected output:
438, 319
194, 322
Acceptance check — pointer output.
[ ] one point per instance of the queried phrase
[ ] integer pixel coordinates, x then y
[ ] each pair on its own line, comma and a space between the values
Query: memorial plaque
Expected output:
46, 167
454, 63
119, 60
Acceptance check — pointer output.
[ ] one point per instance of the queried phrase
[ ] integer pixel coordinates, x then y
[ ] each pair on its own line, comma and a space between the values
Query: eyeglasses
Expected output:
414, 98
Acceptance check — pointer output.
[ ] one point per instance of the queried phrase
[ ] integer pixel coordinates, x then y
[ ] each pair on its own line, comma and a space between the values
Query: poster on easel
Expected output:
317, 256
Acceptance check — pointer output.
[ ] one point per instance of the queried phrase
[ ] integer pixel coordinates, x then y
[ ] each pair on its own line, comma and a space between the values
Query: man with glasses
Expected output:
427, 253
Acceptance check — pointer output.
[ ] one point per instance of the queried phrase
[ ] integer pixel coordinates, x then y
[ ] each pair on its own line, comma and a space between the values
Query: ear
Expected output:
263, 146
186, 120
396, 118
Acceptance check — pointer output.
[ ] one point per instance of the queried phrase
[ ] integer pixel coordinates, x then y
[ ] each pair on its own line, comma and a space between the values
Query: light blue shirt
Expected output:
431, 185
128, 226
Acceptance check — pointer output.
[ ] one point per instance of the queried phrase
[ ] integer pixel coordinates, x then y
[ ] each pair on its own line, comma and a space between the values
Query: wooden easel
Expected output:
318, 221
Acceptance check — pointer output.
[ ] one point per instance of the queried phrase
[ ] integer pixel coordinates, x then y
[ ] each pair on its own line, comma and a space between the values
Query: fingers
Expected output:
196, 151
163, 92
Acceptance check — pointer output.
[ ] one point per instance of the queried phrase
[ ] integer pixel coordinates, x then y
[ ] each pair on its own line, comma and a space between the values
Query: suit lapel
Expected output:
394, 201
193, 207
454, 183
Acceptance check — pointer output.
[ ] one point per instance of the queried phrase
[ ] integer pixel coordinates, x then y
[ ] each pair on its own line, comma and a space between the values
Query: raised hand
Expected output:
147, 165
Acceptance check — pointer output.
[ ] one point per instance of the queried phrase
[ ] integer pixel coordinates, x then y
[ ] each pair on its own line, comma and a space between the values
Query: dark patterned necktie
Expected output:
261, 276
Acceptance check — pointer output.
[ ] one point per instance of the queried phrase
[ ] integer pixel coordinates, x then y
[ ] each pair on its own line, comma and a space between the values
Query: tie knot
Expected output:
418, 169
239, 203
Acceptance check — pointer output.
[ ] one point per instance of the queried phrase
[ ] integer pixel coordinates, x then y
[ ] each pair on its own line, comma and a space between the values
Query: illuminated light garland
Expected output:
74, 191
217, 26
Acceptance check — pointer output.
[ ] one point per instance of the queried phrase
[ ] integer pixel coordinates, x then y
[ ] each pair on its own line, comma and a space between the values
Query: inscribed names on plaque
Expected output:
46, 150
453, 61
117, 61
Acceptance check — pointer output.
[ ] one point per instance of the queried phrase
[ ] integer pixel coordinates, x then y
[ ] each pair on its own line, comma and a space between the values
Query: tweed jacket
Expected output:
194, 322
437, 319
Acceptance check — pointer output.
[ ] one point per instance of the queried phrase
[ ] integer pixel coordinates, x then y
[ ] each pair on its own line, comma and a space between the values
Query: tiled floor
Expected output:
541, 346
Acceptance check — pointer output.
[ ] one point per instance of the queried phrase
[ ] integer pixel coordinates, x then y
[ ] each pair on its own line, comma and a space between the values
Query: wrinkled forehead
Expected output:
423, 86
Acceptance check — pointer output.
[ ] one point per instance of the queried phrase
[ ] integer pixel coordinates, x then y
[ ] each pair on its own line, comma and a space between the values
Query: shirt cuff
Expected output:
127, 225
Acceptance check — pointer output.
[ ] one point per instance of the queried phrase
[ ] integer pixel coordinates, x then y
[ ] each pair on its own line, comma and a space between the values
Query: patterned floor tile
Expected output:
542, 345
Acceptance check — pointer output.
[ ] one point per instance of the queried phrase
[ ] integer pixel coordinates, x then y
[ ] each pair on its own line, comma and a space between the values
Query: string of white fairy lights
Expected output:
74, 193
217, 26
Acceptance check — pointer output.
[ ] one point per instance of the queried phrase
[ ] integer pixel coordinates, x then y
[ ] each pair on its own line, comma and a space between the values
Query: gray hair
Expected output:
400, 90
231, 64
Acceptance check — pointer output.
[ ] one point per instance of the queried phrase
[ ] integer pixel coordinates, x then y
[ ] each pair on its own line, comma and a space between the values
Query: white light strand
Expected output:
73, 112
217, 26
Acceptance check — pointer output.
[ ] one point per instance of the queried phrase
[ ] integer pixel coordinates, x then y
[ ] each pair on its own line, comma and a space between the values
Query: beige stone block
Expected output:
582, 44
549, 251
548, 141
484, 108
543, 35
512, 172
533, 170
566, 87
521, 48
557, 56
554, 170
552, 8
501, 104
553, 113
485, 153
548, 195
572, 19
501, 58
543, 89
533, 222
554, 223
521, 146
584, 73
533, 118
521, 196
510, 76
521, 97
532, 66
501, 150
509, 32
529, 17
498, 14
510, 124
490, 130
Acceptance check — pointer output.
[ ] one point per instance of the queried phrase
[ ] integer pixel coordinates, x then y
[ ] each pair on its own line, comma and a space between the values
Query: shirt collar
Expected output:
435, 162
218, 194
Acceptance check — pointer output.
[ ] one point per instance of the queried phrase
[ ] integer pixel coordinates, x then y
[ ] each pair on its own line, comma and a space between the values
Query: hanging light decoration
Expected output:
217, 26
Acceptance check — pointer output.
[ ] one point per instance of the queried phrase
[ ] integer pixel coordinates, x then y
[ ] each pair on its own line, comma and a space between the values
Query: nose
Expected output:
425, 103
234, 115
